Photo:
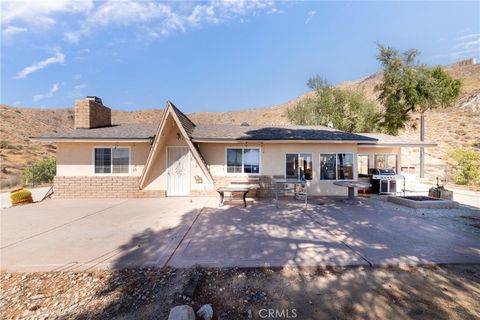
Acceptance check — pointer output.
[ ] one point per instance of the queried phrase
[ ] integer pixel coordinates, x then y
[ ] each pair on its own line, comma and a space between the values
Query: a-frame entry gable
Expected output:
175, 114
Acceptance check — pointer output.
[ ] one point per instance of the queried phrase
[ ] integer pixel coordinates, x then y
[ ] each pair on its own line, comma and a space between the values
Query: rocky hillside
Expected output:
457, 126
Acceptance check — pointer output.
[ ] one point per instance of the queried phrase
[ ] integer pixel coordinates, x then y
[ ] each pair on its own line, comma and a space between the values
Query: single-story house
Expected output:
180, 158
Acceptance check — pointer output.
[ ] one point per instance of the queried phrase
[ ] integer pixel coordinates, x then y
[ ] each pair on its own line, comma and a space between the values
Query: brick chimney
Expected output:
91, 113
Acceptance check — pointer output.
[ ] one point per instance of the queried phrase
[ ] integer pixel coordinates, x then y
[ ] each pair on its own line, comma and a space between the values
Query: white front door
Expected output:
178, 171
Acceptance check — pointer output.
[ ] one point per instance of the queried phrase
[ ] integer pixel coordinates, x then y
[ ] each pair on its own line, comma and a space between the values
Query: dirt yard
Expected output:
447, 292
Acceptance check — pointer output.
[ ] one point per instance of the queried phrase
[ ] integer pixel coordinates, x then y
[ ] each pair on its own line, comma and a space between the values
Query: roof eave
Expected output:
216, 140
84, 139
413, 145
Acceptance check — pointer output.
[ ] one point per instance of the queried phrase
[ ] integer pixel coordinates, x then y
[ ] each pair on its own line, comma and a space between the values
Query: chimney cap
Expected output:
95, 98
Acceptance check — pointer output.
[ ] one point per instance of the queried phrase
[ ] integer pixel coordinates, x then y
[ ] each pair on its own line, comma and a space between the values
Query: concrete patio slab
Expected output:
261, 235
80, 234
24, 222
386, 236
66, 235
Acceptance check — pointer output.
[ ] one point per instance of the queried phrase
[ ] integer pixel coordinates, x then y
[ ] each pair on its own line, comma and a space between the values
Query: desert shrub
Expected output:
41, 171
10, 182
467, 167
4, 144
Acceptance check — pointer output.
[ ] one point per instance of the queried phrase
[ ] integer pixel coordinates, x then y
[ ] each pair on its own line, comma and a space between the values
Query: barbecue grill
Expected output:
384, 181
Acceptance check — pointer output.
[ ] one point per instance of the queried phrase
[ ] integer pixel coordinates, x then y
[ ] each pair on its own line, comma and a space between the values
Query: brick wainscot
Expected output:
101, 187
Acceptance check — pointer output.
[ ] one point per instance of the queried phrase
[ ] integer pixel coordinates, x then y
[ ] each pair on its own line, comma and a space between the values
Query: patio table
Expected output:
243, 189
351, 185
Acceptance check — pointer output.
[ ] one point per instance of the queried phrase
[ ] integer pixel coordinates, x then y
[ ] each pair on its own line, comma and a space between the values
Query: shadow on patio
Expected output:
262, 235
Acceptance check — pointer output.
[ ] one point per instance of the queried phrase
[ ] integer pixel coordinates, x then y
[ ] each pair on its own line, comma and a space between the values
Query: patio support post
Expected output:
422, 149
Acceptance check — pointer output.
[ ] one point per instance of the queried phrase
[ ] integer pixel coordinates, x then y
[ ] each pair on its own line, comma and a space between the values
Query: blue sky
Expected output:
212, 56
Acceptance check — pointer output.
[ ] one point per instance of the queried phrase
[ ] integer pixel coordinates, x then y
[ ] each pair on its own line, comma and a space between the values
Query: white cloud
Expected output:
58, 58
41, 12
12, 30
466, 46
161, 19
154, 19
80, 86
310, 15
55, 88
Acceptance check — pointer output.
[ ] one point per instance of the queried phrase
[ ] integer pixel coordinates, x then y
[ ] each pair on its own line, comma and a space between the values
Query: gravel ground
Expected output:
464, 218
448, 292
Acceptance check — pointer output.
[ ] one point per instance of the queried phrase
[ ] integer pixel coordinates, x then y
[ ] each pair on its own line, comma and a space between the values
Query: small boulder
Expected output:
205, 312
183, 312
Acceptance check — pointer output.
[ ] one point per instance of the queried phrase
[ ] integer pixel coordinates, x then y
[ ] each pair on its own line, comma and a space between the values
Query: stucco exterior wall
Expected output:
272, 161
76, 158
75, 168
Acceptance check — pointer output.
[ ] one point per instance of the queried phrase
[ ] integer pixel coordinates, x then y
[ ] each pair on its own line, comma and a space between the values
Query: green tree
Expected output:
42, 171
343, 109
467, 167
409, 86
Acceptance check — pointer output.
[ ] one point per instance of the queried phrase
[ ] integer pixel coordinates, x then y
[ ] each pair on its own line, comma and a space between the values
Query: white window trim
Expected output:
111, 164
298, 154
243, 174
336, 166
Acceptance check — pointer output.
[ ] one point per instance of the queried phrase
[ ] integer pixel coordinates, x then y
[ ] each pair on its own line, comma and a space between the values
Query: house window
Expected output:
112, 160
345, 166
298, 166
363, 163
386, 161
336, 166
243, 160
328, 166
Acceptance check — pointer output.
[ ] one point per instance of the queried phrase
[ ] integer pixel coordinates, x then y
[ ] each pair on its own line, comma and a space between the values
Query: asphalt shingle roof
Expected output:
187, 124
116, 131
386, 139
214, 132
237, 132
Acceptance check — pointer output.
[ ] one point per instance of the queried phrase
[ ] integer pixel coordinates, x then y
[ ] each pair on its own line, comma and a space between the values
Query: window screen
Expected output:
120, 160
234, 160
103, 160
111, 160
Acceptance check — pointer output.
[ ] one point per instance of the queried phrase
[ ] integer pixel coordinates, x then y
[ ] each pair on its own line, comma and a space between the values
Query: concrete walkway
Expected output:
58, 235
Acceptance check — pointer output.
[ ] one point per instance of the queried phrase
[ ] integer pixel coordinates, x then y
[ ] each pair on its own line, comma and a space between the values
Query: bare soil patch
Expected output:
443, 292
